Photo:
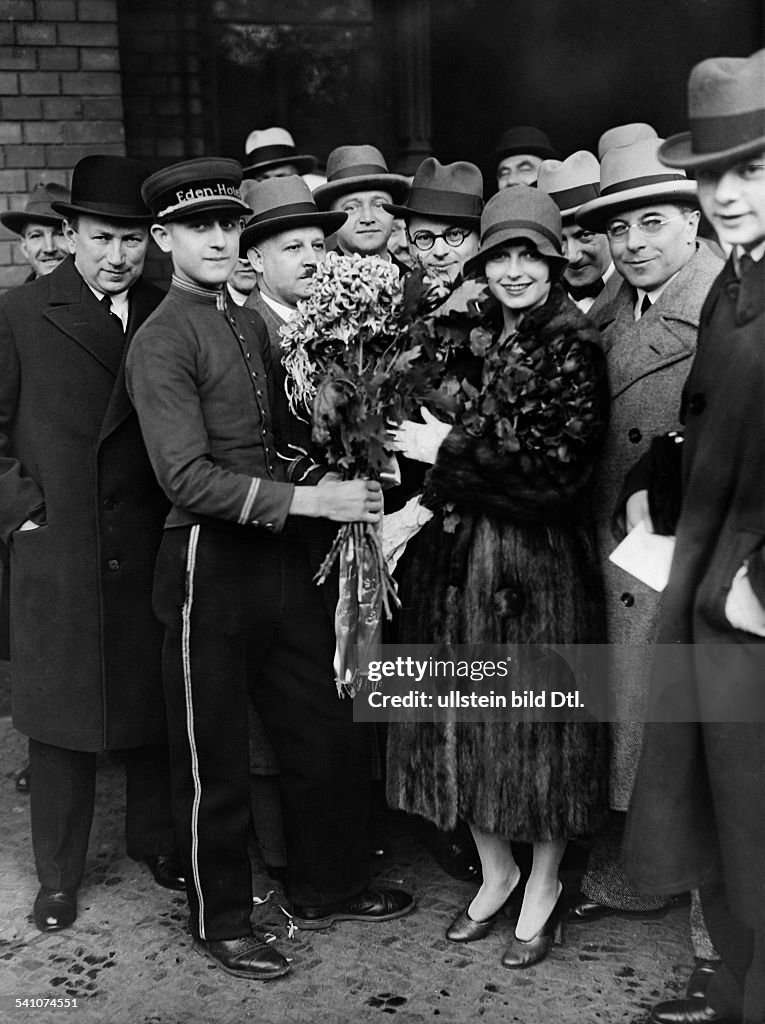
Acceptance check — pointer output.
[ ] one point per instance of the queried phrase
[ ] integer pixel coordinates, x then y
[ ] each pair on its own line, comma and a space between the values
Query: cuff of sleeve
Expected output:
270, 504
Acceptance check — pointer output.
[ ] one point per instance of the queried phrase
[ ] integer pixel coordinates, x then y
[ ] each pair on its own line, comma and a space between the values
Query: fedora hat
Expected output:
358, 168
632, 176
515, 213
269, 147
624, 135
525, 139
571, 182
282, 203
195, 186
452, 192
108, 187
38, 209
726, 112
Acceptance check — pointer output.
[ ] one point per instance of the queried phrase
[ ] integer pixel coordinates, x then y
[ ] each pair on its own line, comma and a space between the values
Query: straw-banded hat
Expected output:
202, 185
282, 203
452, 192
525, 139
516, 213
358, 169
571, 182
38, 209
108, 187
632, 176
624, 135
726, 111
270, 147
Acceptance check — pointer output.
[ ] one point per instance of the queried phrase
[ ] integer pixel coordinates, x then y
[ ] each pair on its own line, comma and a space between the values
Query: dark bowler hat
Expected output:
108, 187
358, 169
525, 139
571, 182
452, 192
516, 213
196, 186
282, 203
271, 147
624, 135
38, 209
726, 111
630, 177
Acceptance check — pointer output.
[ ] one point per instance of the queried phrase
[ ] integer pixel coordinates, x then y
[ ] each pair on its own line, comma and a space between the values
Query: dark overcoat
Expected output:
85, 647
698, 810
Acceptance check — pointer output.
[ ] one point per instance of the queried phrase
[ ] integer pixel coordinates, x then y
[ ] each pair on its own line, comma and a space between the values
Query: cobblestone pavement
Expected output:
128, 959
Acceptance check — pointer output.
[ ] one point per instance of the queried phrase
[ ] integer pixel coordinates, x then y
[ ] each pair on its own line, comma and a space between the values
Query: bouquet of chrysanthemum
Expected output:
360, 354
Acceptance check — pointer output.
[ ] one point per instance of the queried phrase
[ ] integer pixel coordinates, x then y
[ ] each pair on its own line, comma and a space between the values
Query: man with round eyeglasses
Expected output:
649, 334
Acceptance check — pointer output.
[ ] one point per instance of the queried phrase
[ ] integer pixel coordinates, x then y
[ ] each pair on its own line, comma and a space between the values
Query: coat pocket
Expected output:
734, 548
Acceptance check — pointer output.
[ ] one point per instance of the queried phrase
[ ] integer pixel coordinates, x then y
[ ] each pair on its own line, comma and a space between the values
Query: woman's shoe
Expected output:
520, 953
464, 929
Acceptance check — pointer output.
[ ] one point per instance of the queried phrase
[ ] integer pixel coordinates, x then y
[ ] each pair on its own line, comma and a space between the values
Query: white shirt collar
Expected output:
757, 253
236, 296
119, 303
653, 294
285, 312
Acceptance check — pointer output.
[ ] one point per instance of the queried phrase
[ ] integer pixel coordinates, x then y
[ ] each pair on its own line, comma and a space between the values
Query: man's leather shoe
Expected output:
54, 909
372, 905
688, 1011
589, 910
248, 957
167, 871
699, 979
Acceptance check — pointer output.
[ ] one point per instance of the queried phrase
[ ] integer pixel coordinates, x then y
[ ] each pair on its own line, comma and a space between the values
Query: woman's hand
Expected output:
419, 441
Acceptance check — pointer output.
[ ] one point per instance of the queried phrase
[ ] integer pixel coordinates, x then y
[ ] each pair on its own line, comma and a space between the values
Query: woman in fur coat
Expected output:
518, 568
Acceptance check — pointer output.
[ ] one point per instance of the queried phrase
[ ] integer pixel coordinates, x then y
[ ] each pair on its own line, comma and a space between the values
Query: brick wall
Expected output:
60, 99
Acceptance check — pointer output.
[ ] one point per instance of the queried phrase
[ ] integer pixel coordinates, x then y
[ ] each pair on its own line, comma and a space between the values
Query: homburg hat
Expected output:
726, 111
571, 182
518, 213
452, 192
38, 209
624, 135
271, 147
202, 185
279, 204
106, 186
358, 169
632, 176
525, 139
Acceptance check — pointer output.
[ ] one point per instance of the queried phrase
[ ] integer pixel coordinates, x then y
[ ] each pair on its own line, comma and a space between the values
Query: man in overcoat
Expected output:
82, 516
697, 816
649, 335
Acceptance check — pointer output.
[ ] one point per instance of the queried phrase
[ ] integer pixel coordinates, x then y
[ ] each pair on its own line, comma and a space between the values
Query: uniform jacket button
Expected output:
627, 599
113, 564
635, 436
697, 404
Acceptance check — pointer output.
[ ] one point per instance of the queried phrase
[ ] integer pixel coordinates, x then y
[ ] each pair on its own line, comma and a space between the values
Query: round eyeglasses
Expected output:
425, 240
651, 224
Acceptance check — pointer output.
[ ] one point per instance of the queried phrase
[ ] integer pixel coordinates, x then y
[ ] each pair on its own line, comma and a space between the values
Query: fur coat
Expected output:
519, 569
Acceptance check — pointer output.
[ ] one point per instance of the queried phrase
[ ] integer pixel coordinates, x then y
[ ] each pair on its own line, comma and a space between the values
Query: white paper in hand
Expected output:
647, 556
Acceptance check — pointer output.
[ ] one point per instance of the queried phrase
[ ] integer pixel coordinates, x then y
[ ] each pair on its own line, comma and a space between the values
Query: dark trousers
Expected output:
738, 986
243, 615
62, 802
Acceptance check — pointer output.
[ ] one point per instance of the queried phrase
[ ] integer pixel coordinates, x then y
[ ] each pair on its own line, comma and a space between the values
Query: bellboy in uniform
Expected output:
82, 514
235, 593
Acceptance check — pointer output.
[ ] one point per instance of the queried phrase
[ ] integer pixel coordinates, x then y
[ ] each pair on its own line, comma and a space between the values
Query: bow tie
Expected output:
585, 291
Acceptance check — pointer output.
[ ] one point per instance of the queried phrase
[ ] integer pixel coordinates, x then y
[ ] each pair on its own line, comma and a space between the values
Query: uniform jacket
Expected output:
698, 812
85, 644
648, 361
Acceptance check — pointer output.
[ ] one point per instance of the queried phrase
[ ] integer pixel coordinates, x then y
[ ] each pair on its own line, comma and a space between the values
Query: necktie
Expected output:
106, 302
745, 263
645, 305
585, 291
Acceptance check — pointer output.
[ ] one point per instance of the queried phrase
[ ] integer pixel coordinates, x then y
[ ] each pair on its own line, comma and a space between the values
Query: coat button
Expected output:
635, 436
697, 403
113, 564
627, 599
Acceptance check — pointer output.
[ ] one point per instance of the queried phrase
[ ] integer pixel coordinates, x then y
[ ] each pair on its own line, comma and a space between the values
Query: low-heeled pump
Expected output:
520, 953
464, 929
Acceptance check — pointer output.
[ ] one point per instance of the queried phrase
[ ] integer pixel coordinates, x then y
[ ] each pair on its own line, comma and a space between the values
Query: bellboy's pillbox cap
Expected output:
195, 186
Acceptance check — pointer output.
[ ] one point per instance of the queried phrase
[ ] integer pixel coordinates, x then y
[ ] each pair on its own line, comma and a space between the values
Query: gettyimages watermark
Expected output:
560, 683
